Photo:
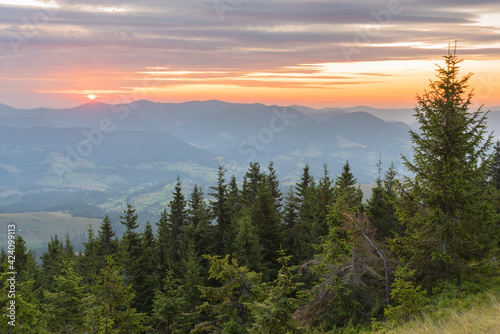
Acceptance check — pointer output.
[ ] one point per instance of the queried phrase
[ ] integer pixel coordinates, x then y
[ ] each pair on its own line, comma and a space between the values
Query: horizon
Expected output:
95, 101
318, 54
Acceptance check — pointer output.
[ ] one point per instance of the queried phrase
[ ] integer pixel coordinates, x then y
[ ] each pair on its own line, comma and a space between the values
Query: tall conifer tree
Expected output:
449, 216
221, 212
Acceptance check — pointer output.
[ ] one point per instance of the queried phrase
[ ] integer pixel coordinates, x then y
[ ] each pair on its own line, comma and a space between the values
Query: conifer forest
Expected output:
251, 256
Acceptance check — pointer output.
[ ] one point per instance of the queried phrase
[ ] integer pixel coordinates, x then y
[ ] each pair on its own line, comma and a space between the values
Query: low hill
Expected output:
37, 228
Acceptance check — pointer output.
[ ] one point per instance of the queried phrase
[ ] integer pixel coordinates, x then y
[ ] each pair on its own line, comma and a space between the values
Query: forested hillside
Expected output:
315, 259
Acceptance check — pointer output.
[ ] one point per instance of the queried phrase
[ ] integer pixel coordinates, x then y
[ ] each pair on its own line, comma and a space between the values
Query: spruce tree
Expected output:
267, 219
380, 206
347, 178
275, 314
324, 198
105, 237
199, 218
228, 308
494, 172
66, 305
192, 277
26, 315
449, 217
130, 237
234, 196
112, 310
307, 207
168, 305
146, 278
51, 260
131, 243
306, 181
247, 246
345, 188
163, 245
304, 231
221, 213
88, 260
177, 220
251, 181
290, 217
274, 185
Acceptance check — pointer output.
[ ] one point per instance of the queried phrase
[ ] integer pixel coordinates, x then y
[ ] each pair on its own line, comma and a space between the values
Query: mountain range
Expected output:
133, 152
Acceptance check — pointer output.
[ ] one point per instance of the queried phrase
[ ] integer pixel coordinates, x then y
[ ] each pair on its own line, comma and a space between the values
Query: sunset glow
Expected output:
319, 54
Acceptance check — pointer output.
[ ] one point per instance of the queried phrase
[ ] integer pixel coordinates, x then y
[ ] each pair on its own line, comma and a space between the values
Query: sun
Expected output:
91, 96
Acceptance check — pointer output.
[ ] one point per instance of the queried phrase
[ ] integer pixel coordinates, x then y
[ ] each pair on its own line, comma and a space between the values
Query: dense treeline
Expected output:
247, 258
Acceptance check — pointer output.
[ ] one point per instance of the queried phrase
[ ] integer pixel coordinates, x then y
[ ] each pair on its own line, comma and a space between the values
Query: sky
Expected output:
336, 53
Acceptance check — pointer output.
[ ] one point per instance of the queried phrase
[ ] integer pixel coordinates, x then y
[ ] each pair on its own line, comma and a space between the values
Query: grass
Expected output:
483, 316
36, 228
474, 307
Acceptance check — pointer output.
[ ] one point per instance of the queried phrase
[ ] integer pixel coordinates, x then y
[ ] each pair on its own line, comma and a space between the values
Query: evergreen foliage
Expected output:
274, 315
65, 309
222, 213
448, 216
227, 305
105, 237
111, 301
218, 266
380, 207
494, 170
247, 246
411, 299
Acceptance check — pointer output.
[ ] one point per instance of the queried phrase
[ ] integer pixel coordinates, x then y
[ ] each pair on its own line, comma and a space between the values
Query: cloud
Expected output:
250, 36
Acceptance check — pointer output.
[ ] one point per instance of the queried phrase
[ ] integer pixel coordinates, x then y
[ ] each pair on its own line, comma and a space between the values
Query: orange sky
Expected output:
312, 53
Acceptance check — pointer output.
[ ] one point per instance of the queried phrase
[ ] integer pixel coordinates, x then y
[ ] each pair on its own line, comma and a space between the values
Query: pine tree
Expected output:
380, 206
449, 217
199, 218
234, 196
274, 185
267, 219
25, 312
345, 188
111, 301
22, 256
66, 305
222, 214
494, 172
69, 250
168, 305
130, 237
163, 245
177, 220
51, 260
105, 237
290, 217
228, 303
354, 275
307, 207
88, 262
306, 181
275, 314
347, 178
247, 247
131, 243
251, 181
145, 277
325, 198
304, 231
192, 277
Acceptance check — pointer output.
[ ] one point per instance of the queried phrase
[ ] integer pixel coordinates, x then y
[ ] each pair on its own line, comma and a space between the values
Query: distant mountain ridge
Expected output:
103, 147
